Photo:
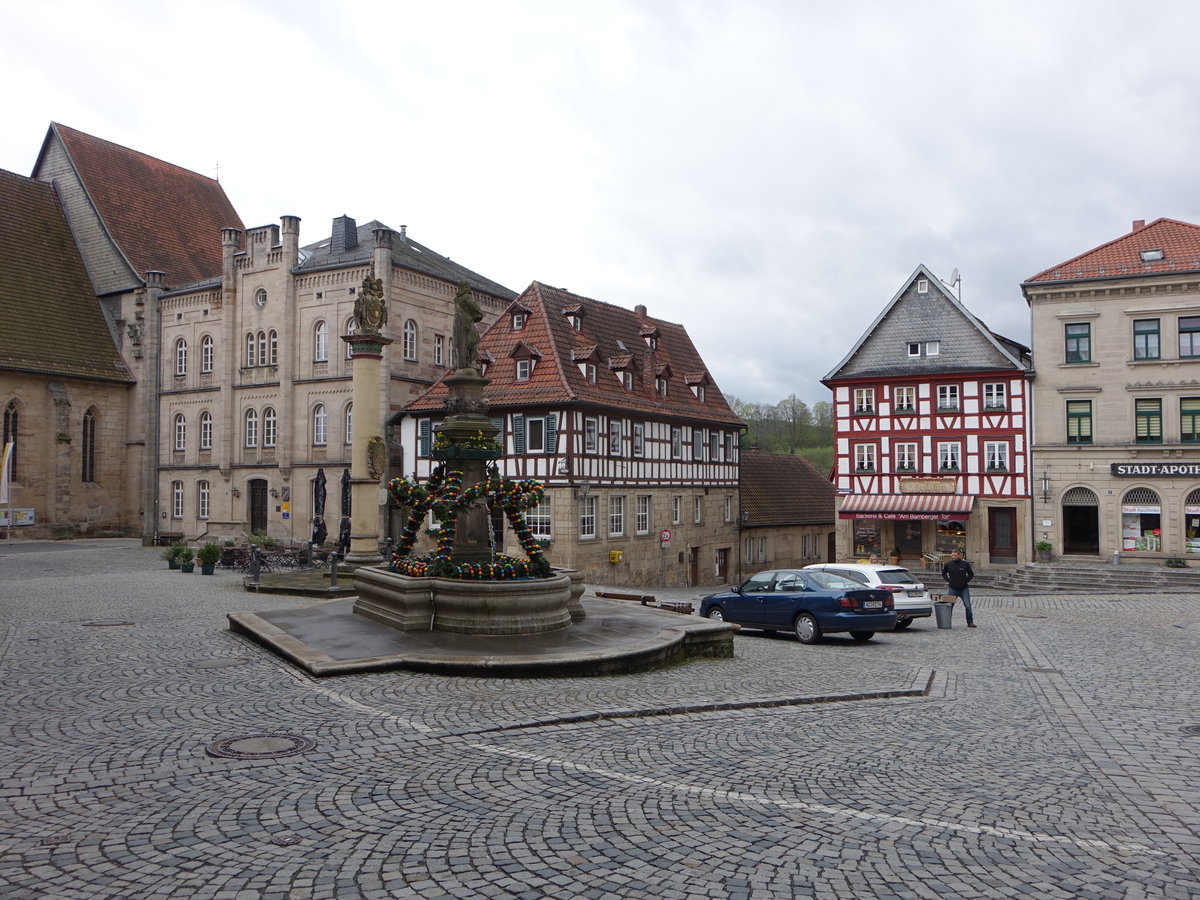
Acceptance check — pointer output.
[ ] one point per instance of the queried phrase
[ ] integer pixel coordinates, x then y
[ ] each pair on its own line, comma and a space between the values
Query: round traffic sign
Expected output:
665, 537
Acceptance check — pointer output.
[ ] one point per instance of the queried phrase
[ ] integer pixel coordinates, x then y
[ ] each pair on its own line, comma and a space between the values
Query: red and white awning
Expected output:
906, 506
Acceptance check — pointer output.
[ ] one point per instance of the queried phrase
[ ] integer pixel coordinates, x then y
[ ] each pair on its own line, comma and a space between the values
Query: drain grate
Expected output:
104, 624
260, 746
1045, 671
1191, 730
221, 663
1031, 617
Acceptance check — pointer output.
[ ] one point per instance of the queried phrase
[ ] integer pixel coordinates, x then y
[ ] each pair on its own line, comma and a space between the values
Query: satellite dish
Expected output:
954, 277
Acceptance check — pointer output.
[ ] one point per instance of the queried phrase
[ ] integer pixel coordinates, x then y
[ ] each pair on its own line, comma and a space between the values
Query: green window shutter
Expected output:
498, 423
425, 442
519, 434
551, 433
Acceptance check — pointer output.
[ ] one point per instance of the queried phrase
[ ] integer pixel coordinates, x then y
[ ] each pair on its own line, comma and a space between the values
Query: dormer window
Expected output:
627, 380
591, 373
576, 321
700, 392
518, 321
524, 368
651, 342
660, 386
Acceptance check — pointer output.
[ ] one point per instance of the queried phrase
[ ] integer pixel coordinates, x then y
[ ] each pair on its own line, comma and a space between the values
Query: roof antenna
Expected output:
218, 166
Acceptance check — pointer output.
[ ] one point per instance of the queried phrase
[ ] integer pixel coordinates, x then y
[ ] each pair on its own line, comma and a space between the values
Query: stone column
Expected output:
367, 352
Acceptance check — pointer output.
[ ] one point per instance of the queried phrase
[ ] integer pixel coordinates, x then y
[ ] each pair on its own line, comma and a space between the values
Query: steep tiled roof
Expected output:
162, 216
50, 319
613, 332
781, 489
1122, 257
405, 252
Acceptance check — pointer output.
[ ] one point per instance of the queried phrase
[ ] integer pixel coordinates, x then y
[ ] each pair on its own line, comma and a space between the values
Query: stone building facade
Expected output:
931, 425
615, 412
1116, 436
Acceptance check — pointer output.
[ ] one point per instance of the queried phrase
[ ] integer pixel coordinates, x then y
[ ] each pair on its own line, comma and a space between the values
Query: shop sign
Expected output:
897, 516
1141, 510
1155, 470
928, 485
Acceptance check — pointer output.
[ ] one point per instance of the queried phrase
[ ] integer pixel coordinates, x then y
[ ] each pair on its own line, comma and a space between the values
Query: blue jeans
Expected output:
965, 594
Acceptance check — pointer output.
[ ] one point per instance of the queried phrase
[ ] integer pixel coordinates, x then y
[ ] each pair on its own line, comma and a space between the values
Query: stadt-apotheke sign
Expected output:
1155, 470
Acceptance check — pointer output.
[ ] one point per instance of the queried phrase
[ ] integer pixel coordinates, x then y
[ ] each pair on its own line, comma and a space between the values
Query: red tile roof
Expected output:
162, 216
50, 319
781, 489
1121, 257
613, 333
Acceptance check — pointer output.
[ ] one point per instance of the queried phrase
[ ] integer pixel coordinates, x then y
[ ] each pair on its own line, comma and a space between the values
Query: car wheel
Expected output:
716, 614
862, 635
902, 623
807, 629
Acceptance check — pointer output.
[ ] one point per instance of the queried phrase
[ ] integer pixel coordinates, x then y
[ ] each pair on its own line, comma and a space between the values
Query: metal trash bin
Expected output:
943, 611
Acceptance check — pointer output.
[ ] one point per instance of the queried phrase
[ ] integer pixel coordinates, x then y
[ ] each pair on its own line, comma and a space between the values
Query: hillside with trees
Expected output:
789, 426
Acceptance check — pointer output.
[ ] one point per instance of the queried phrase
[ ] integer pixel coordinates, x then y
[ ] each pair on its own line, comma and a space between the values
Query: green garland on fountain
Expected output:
444, 494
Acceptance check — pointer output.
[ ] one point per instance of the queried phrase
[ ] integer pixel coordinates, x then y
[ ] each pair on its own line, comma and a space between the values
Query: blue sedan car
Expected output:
810, 603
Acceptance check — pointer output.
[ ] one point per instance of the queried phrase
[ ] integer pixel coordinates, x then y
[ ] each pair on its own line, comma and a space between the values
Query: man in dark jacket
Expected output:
958, 574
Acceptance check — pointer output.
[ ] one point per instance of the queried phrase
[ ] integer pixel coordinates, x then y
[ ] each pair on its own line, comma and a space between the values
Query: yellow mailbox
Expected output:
615, 556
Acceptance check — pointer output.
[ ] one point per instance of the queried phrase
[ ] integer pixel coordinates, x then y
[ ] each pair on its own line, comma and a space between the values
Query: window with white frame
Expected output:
262, 348
273, 345
320, 425
904, 399
697, 510
202, 496
439, 349
518, 321
676, 442
864, 457
176, 499
914, 348
714, 445
587, 517
948, 457
700, 392
864, 401
639, 439
749, 550
762, 549
524, 368
591, 430
270, 426
922, 285
933, 348
251, 356
181, 357
180, 432
538, 520
627, 380
206, 433
614, 437
410, 340
697, 444
206, 354
642, 522
676, 510
906, 457
995, 395
728, 509
535, 435
660, 386
947, 396
250, 431
321, 342
996, 455
351, 327
729, 447
616, 516
349, 424
590, 372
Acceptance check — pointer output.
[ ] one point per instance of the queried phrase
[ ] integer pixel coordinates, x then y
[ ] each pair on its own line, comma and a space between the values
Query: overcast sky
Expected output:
766, 173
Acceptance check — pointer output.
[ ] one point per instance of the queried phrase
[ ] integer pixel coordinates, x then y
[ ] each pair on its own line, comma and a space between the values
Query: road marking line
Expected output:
743, 797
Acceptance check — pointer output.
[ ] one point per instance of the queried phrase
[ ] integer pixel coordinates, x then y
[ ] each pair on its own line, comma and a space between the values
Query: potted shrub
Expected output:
185, 559
171, 554
894, 555
1043, 549
228, 557
208, 556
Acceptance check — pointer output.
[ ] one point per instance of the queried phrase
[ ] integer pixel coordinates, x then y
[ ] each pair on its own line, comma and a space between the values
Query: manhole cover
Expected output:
286, 840
222, 663
1045, 671
104, 624
1192, 730
260, 746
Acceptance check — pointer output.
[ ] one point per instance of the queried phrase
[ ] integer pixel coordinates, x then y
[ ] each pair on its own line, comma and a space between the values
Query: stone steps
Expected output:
1096, 578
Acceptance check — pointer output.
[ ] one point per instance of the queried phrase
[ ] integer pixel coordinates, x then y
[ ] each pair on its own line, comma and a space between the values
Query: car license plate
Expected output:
872, 604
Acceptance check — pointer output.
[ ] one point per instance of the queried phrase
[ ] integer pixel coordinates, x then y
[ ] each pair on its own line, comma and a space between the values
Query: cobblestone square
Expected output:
1049, 753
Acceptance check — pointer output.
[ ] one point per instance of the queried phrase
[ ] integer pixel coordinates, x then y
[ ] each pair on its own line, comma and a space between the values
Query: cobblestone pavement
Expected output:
1053, 755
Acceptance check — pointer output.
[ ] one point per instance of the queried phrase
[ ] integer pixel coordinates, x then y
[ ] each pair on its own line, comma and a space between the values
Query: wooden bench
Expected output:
644, 599
167, 538
684, 607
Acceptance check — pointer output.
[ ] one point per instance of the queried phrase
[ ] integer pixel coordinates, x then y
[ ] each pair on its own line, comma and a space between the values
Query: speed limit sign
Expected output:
665, 537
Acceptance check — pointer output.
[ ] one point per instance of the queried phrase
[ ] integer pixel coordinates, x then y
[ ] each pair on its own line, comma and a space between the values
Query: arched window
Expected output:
350, 329
206, 354
202, 495
321, 342
250, 355
273, 343
176, 499
180, 432
410, 340
349, 423
206, 430
320, 423
269, 427
10, 437
88, 448
251, 428
181, 357
262, 348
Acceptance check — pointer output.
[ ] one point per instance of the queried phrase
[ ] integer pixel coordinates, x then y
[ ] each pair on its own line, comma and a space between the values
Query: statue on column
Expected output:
466, 335
370, 309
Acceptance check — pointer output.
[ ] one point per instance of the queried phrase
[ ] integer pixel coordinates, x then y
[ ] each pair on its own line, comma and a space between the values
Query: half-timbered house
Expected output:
931, 424
617, 414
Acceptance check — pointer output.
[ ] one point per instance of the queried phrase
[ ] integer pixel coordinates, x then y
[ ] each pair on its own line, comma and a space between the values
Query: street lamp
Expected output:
1045, 487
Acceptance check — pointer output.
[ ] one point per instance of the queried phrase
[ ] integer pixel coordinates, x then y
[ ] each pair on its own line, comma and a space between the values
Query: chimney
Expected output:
640, 309
404, 233
1139, 224
345, 235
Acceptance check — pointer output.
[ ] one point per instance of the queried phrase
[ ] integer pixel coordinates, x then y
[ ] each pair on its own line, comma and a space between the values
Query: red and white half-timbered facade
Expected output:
931, 424
616, 414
